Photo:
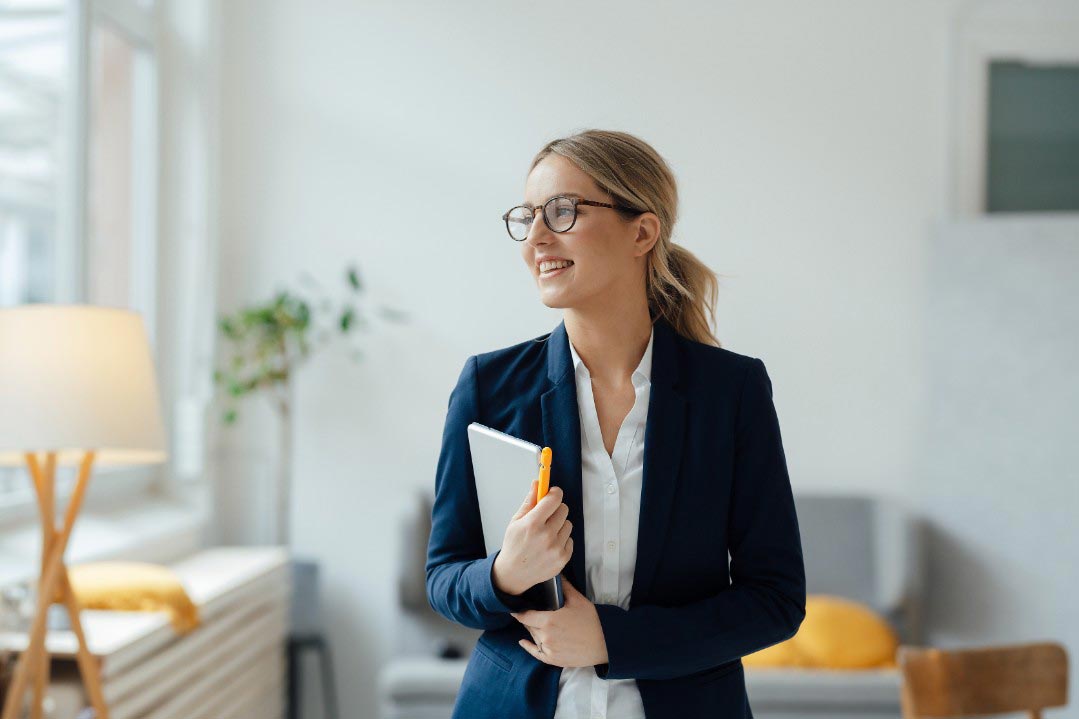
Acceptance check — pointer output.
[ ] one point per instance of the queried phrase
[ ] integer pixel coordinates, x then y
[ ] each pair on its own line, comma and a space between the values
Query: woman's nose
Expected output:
538, 228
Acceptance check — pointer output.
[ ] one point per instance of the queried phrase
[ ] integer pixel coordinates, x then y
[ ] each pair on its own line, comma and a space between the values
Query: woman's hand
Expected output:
571, 636
537, 544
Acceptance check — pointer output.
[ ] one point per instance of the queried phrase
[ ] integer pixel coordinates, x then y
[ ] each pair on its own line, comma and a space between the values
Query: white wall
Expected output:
810, 143
999, 474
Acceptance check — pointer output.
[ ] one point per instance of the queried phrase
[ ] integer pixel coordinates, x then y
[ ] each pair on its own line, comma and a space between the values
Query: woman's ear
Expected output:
647, 233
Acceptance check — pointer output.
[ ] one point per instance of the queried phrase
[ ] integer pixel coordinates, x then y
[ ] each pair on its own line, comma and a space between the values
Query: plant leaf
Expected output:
346, 319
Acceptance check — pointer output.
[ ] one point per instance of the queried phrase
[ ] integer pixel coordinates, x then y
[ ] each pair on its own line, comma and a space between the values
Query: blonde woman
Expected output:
667, 457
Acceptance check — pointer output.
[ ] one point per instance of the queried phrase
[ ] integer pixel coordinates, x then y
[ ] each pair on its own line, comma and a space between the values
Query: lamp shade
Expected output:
75, 378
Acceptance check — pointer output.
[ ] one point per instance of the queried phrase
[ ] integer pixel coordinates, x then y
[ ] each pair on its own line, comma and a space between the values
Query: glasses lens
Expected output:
560, 213
518, 221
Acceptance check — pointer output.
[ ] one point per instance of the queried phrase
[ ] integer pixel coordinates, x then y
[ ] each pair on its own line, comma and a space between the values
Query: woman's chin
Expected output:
554, 300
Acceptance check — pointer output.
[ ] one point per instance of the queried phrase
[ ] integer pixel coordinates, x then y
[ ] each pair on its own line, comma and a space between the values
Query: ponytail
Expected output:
683, 290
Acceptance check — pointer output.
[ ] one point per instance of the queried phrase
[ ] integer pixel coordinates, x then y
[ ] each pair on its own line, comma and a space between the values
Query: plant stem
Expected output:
284, 463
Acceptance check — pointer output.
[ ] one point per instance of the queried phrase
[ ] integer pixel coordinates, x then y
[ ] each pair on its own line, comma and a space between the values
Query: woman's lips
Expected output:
552, 273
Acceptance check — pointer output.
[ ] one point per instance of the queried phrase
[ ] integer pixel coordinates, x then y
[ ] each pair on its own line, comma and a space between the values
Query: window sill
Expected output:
149, 527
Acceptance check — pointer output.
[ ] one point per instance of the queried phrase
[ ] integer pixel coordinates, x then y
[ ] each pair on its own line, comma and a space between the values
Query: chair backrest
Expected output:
868, 549
414, 531
984, 680
305, 614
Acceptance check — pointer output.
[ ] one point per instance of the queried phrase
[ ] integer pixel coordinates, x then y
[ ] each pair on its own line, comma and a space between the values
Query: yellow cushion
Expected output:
783, 654
133, 586
837, 633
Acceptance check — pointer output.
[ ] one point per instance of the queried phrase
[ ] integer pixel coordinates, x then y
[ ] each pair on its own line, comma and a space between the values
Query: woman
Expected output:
667, 456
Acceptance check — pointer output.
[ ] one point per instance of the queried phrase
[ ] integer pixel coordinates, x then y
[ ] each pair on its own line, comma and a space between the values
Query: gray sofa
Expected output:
867, 549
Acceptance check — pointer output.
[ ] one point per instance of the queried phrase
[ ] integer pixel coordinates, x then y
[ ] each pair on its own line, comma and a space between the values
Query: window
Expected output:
1015, 119
33, 66
1033, 145
78, 153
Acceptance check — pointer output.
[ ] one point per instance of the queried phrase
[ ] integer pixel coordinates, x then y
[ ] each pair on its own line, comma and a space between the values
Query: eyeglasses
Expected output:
559, 214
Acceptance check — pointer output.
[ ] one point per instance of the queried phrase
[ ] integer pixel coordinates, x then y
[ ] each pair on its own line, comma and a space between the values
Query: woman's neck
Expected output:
610, 344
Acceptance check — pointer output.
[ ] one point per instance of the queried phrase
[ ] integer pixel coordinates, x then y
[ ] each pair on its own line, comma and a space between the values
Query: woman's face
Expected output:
600, 244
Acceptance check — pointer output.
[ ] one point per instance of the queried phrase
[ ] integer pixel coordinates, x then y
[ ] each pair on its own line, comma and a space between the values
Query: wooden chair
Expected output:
986, 680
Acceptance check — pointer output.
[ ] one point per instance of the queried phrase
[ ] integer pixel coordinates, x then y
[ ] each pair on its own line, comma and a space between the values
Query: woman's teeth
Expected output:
554, 265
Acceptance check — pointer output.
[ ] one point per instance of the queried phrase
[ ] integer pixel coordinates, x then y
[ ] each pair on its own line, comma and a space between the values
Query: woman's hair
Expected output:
680, 287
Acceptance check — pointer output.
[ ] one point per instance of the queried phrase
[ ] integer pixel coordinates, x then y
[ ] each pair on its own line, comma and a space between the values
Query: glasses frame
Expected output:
575, 200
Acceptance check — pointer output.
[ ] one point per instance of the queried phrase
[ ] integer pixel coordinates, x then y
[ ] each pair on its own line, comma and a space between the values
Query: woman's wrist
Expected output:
498, 579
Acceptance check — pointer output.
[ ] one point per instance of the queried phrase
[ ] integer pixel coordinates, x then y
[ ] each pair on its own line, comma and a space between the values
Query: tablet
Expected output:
504, 466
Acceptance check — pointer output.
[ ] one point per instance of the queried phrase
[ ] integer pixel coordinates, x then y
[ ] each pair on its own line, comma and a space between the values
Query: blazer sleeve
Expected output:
765, 602
459, 585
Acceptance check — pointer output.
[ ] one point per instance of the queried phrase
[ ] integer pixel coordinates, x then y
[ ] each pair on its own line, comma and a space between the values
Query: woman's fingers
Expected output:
533, 650
559, 515
547, 506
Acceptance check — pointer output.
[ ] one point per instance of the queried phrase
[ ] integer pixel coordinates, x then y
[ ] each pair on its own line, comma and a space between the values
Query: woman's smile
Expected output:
551, 273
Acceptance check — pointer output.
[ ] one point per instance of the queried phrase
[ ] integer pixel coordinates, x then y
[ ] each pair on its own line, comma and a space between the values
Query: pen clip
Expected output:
545, 458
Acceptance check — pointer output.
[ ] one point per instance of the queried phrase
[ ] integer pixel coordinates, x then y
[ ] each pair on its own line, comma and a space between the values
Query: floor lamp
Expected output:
77, 387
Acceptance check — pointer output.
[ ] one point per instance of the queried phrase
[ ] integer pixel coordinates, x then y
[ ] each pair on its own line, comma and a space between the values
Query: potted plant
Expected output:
267, 343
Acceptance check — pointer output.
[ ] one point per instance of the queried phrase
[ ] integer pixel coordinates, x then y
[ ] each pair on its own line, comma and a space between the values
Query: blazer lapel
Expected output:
664, 431
663, 439
562, 433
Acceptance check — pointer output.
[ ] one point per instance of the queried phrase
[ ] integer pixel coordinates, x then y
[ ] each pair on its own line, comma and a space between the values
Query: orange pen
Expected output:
553, 596
544, 474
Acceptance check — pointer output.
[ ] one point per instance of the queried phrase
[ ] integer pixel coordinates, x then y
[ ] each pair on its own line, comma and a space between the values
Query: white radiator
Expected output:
233, 666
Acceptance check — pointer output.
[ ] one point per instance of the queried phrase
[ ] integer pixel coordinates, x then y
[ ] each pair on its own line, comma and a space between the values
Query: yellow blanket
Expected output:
133, 586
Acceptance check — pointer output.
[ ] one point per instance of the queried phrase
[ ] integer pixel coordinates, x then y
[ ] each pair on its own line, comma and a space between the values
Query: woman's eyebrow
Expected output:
557, 194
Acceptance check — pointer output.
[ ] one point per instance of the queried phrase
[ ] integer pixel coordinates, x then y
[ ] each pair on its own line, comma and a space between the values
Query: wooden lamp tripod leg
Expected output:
55, 572
88, 666
45, 486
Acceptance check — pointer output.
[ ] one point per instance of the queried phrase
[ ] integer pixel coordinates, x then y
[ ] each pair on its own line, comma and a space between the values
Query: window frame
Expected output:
136, 21
1033, 33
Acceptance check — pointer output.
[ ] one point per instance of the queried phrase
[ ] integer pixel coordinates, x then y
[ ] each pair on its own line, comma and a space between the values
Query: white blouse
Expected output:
611, 487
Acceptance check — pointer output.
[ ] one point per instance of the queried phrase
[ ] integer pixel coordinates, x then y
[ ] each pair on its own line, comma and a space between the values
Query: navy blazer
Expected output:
715, 481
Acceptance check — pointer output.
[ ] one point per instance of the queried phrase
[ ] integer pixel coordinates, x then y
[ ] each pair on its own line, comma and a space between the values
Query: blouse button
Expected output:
610, 546
610, 488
